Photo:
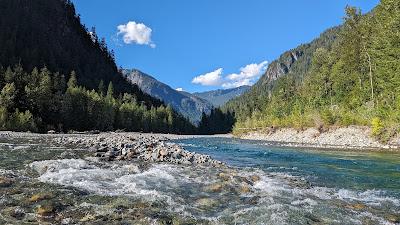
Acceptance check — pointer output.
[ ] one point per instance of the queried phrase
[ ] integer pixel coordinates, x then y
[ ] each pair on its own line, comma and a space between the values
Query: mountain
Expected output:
49, 33
222, 96
295, 62
347, 76
44, 45
190, 106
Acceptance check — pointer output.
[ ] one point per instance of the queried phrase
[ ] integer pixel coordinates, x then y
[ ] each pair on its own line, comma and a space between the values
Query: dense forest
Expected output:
49, 35
352, 80
40, 101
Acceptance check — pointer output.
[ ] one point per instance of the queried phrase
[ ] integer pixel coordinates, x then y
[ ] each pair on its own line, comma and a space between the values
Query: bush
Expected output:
328, 117
23, 121
377, 127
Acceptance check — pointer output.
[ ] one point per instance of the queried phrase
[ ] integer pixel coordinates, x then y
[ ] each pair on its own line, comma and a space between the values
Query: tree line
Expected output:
354, 81
41, 100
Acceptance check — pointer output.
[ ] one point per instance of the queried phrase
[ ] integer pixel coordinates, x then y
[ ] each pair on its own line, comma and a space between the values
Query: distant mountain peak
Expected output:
188, 105
221, 96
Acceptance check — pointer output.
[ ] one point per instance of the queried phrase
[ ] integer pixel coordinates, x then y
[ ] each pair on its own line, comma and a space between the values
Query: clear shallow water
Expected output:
262, 185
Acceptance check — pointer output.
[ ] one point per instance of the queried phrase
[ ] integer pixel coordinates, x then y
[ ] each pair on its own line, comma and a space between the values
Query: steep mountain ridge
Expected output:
188, 105
49, 33
296, 62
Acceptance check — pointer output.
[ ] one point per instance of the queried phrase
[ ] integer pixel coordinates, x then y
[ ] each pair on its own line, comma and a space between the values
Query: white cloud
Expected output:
237, 83
246, 76
179, 89
137, 33
209, 79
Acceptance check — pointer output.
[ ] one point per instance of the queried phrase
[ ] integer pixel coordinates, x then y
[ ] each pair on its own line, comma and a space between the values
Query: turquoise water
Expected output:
337, 169
262, 184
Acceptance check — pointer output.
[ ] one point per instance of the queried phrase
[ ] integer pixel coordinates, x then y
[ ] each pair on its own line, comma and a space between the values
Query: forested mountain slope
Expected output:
295, 62
353, 80
43, 45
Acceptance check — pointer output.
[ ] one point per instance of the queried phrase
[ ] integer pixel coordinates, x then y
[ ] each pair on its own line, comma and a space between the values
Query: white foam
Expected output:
118, 180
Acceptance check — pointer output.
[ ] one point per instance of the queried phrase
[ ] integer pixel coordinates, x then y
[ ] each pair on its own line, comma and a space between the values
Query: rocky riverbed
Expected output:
131, 146
92, 179
114, 146
352, 138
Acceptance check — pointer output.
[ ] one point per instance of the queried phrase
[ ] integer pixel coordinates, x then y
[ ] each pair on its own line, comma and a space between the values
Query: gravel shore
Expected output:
353, 137
126, 146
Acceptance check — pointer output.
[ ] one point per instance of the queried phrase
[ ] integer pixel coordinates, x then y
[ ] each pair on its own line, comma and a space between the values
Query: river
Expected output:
262, 184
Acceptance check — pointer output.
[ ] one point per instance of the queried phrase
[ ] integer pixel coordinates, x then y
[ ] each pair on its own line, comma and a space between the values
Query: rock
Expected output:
17, 212
206, 202
163, 152
66, 221
88, 218
216, 187
393, 219
244, 189
39, 197
5, 182
357, 206
224, 176
45, 210
102, 149
255, 178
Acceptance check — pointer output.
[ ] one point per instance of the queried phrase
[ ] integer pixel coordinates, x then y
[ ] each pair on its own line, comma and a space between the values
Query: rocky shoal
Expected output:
118, 146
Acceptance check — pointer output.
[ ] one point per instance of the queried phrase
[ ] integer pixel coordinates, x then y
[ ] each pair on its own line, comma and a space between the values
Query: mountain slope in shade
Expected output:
190, 106
49, 33
222, 96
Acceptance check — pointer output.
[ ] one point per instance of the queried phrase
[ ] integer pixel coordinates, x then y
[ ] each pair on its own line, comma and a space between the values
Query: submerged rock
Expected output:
16, 212
46, 210
206, 203
217, 187
5, 182
39, 197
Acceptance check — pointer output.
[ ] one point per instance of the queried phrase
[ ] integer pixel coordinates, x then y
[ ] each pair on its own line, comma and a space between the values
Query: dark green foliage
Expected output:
43, 101
49, 33
218, 122
295, 63
351, 79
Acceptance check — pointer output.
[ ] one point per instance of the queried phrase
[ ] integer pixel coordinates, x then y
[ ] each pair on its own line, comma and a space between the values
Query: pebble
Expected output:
5, 182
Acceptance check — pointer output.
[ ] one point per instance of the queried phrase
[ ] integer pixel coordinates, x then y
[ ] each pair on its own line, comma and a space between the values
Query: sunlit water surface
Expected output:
261, 185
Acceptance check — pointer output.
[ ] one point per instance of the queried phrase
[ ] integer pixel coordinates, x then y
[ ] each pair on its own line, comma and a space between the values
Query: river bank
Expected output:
351, 138
115, 146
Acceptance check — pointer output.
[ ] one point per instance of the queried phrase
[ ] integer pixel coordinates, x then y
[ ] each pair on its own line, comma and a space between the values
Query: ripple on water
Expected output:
276, 198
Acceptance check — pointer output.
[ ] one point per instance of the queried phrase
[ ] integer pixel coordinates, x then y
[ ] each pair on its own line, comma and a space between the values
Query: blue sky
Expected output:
208, 44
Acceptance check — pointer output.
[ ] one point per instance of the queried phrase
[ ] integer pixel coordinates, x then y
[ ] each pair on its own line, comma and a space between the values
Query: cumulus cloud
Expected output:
179, 89
247, 76
209, 79
239, 83
137, 33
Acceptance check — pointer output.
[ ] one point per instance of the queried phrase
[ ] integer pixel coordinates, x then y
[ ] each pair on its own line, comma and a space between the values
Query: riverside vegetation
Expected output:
348, 76
41, 100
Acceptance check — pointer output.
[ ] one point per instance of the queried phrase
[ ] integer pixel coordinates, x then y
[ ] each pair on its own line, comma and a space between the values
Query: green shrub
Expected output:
23, 121
328, 117
377, 126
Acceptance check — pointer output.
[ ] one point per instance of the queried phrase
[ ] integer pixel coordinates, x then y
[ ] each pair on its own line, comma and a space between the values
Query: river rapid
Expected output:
261, 184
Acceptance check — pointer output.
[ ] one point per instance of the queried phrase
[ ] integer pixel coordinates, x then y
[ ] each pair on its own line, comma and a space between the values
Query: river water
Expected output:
262, 184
